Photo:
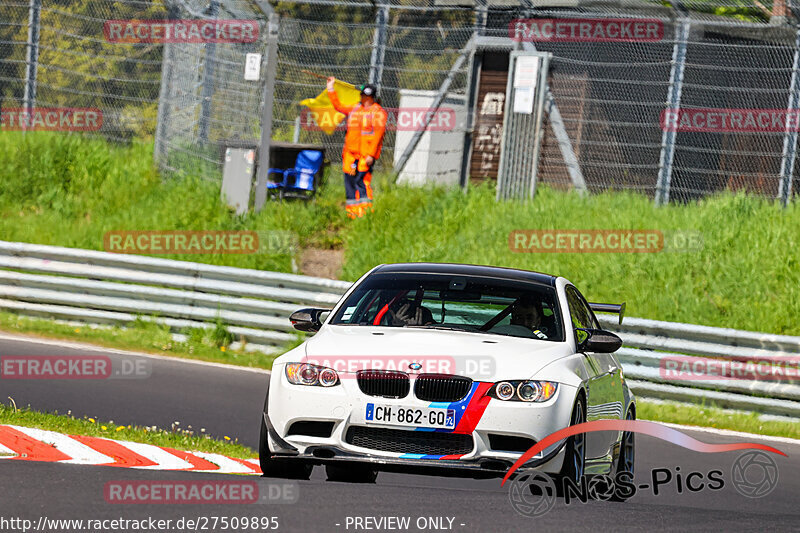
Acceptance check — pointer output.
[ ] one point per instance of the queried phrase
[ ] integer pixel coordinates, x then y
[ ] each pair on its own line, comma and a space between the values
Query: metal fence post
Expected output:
538, 130
164, 100
266, 110
674, 102
208, 79
378, 46
473, 79
296, 133
165, 94
32, 60
790, 137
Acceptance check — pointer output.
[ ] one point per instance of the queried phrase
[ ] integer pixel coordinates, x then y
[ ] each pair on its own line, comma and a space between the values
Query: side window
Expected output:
589, 314
580, 314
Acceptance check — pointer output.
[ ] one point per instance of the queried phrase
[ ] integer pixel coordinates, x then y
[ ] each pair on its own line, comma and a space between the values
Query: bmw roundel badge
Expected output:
415, 366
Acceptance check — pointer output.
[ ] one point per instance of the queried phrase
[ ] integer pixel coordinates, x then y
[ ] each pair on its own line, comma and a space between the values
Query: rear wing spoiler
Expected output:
617, 309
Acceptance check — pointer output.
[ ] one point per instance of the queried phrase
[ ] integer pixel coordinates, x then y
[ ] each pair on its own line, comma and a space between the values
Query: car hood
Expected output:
482, 357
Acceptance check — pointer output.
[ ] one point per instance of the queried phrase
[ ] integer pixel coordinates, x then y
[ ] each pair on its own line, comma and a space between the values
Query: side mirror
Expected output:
307, 319
600, 341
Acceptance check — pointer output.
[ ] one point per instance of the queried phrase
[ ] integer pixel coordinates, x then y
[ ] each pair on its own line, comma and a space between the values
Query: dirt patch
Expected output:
321, 263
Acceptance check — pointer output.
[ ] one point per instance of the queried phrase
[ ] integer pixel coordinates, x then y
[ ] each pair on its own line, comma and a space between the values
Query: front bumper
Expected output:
344, 406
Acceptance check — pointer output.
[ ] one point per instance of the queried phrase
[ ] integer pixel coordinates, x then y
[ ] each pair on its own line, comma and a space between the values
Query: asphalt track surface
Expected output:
227, 402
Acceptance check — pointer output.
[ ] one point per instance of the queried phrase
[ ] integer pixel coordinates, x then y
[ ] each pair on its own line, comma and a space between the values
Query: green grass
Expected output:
714, 417
746, 276
145, 336
69, 190
187, 439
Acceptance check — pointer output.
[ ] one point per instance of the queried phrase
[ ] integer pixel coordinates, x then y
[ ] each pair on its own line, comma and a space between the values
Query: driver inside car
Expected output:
407, 313
525, 314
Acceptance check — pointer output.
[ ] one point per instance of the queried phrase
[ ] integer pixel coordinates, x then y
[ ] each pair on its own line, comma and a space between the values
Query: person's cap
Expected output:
368, 90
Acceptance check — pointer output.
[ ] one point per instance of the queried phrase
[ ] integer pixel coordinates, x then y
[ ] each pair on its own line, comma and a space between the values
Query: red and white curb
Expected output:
32, 444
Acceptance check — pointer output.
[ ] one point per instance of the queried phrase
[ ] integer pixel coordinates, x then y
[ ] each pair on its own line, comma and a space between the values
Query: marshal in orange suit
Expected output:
366, 126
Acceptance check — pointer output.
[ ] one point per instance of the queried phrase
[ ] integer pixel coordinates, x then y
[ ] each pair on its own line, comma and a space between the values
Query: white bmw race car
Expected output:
454, 369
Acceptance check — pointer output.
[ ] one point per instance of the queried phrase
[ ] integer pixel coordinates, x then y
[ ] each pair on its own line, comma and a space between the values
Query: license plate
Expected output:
396, 415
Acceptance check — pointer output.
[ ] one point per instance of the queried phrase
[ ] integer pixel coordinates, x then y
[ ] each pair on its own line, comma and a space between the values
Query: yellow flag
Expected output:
321, 109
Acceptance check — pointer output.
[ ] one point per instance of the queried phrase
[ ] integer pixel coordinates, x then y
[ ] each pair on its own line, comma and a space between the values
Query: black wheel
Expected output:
575, 456
351, 473
627, 456
283, 468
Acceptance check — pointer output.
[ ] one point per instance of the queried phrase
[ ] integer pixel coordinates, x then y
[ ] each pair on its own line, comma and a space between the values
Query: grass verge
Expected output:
70, 190
206, 345
746, 275
714, 417
188, 439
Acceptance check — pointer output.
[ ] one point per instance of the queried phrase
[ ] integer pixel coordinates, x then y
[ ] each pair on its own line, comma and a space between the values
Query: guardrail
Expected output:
648, 344
106, 288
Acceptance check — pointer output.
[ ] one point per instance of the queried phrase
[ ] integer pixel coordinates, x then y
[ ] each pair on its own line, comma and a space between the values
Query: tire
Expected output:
627, 455
575, 457
351, 473
281, 468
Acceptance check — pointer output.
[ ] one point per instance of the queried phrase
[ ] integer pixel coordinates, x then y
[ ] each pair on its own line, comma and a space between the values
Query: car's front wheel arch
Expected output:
574, 463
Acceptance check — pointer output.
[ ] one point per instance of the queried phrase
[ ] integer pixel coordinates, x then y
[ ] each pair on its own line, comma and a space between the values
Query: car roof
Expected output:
467, 270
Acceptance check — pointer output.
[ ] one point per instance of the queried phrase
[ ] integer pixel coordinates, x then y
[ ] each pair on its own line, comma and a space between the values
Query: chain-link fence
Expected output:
73, 66
728, 83
207, 102
611, 97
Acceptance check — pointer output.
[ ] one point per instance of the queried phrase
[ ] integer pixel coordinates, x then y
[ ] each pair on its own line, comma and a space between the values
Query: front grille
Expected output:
441, 387
385, 383
399, 441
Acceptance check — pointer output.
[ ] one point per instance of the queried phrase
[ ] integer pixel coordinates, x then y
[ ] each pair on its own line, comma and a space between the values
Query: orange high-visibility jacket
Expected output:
365, 130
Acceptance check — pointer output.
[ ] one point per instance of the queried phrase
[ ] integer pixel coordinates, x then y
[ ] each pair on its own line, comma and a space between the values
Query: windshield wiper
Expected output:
463, 327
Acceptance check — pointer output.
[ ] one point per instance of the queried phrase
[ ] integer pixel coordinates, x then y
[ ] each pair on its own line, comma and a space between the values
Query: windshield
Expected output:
479, 305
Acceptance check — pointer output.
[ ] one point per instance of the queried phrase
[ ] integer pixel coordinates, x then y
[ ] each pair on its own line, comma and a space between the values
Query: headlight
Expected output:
306, 374
529, 391
504, 390
328, 377
523, 390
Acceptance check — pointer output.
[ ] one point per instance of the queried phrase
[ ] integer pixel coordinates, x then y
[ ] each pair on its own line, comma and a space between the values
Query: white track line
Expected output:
80, 453
226, 465
96, 348
163, 459
6, 453
731, 433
